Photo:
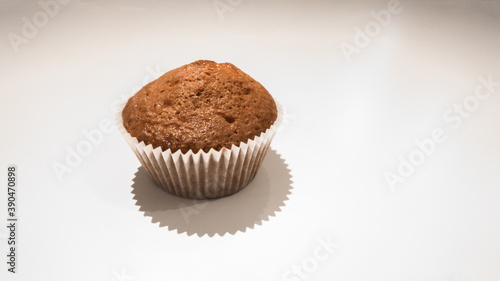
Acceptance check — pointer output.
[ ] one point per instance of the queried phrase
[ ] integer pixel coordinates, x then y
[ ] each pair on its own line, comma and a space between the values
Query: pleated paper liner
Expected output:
203, 175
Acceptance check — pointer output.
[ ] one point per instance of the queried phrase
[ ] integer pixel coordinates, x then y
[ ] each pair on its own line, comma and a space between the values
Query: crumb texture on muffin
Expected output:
201, 105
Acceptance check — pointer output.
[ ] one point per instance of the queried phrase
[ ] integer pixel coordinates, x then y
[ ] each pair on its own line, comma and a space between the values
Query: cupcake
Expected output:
201, 130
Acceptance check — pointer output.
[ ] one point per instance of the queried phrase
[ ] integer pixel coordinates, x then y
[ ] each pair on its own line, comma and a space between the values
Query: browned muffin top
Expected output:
200, 105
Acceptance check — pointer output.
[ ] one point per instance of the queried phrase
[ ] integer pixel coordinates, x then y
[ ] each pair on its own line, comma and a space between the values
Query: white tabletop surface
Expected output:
321, 207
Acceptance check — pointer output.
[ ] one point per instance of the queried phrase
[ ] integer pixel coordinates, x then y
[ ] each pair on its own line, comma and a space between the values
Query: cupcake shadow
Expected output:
259, 200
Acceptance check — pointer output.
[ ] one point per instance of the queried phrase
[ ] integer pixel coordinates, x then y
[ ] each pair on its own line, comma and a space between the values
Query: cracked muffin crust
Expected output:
201, 105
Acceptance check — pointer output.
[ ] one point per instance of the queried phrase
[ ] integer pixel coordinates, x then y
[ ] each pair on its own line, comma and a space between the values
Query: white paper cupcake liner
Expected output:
203, 175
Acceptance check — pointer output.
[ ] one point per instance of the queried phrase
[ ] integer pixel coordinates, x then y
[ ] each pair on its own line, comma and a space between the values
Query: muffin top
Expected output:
201, 105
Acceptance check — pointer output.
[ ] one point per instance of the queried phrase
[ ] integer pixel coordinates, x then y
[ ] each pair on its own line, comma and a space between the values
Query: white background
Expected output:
346, 124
